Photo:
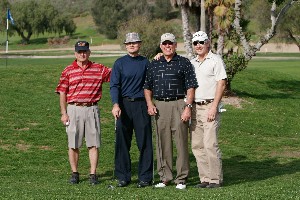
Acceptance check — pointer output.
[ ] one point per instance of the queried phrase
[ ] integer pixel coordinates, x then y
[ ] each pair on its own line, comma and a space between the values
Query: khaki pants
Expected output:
205, 145
168, 126
84, 123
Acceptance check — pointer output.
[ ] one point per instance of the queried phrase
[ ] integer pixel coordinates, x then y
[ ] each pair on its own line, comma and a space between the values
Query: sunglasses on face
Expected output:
198, 42
169, 43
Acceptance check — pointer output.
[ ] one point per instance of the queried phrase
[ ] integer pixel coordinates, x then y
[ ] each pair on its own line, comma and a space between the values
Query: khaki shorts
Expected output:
84, 123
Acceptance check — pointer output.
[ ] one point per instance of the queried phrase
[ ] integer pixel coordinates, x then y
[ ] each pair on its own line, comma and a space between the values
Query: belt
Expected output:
134, 99
204, 102
169, 98
83, 104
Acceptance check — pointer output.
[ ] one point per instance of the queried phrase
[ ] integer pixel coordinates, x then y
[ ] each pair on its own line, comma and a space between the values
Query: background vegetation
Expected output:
259, 140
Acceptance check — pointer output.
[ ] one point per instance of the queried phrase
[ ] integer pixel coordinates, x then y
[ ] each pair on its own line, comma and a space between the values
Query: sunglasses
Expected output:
169, 43
198, 42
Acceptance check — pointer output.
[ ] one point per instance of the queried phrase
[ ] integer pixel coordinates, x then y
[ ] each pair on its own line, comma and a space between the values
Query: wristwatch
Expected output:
189, 105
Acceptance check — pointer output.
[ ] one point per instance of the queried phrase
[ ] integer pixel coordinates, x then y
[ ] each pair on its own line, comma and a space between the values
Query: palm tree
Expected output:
223, 13
202, 17
187, 36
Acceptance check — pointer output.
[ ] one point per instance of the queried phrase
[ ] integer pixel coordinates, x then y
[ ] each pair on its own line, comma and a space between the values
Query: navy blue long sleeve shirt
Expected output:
128, 78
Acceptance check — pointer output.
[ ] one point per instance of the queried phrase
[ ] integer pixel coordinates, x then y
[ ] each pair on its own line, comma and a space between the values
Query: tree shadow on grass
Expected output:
239, 170
284, 90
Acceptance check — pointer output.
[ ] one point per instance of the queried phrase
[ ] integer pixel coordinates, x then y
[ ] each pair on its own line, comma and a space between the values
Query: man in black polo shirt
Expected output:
171, 81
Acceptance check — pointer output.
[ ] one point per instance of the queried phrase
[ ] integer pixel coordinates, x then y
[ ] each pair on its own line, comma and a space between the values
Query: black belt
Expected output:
204, 102
134, 99
169, 98
83, 104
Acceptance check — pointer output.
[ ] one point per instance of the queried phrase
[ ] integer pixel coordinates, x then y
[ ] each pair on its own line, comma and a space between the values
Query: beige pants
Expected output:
168, 126
205, 145
84, 123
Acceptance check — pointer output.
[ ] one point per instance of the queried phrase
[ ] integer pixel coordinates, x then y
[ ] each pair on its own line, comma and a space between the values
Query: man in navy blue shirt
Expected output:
130, 112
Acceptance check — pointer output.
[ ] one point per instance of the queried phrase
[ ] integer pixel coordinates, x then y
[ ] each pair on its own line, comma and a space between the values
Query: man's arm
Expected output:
187, 112
63, 108
151, 107
221, 85
218, 96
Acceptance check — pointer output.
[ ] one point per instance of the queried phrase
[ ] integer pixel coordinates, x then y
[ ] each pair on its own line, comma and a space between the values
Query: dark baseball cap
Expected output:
82, 46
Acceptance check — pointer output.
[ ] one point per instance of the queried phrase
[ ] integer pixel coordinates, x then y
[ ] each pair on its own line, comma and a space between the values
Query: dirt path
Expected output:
271, 47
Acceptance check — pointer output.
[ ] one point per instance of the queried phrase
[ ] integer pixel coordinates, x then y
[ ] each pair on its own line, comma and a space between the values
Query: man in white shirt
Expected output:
211, 76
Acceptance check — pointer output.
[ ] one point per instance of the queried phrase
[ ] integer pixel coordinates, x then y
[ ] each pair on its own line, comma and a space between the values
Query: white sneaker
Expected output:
181, 186
160, 185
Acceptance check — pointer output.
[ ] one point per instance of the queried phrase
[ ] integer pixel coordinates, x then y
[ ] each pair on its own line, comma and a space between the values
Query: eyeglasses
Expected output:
195, 43
169, 43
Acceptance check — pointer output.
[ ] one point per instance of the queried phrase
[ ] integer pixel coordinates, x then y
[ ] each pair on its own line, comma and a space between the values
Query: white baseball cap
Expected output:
199, 36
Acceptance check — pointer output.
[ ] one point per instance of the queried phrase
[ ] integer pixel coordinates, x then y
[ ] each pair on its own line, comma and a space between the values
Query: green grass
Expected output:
259, 142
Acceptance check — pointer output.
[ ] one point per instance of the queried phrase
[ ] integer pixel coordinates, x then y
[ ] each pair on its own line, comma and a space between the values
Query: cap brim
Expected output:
132, 41
81, 49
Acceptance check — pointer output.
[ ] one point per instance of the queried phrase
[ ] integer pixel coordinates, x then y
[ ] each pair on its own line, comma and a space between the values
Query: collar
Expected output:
76, 65
174, 58
208, 56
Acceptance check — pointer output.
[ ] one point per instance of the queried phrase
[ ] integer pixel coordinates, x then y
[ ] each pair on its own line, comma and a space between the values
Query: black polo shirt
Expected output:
170, 79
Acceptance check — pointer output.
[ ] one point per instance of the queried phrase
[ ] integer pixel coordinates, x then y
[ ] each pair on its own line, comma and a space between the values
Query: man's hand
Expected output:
152, 110
211, 115
116, 111
157, 56
186, 114
65, 119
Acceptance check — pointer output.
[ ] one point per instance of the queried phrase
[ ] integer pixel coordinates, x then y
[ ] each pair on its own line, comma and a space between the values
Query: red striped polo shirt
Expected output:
83, 85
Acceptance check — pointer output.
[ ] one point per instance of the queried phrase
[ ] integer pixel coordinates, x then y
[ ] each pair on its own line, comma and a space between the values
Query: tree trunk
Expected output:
249, 51
198, 19
203, 20
220, 47
290, 33
187, 36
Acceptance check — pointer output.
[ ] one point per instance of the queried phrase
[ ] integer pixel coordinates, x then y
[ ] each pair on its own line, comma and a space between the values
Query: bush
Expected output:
58, 41
150, 32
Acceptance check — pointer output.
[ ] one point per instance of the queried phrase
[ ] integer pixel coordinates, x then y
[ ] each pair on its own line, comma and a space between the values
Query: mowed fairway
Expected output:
260, 141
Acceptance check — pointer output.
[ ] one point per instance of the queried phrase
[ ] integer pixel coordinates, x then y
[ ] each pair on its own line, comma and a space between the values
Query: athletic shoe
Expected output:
122, 183
142, 184
74, 178
181, 186
94, 179
161, 185
202, 185
213, 185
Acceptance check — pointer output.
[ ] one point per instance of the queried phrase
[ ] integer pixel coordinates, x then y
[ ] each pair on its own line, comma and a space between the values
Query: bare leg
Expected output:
73, 159
93, 155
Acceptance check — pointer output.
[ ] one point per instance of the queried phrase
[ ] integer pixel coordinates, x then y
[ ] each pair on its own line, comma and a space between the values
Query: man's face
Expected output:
168, 48
133, 47
201, 47
82, 56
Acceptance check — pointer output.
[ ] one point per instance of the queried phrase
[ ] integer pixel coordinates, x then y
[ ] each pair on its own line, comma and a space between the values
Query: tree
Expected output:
4, 4
149, 31
109, 14
39, 17
276, 16
289, 29
163, 10
187, 36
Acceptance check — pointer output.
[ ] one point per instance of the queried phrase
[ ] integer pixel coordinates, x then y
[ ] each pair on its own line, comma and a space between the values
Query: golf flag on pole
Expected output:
9, 17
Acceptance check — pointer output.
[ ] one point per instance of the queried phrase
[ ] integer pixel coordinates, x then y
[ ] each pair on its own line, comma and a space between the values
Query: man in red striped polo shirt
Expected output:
80, 89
